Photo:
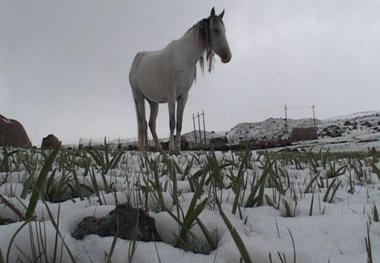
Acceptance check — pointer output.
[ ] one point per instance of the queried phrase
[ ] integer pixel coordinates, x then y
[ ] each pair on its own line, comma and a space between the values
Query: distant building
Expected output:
303, 134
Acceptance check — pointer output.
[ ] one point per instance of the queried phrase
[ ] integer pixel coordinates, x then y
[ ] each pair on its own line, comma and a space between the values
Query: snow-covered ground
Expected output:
353, 128
327, 224
357, 132
268, 129
356, 127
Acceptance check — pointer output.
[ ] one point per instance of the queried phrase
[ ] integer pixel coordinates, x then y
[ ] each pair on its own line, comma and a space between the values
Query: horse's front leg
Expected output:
181, 102
152, 124
171, 124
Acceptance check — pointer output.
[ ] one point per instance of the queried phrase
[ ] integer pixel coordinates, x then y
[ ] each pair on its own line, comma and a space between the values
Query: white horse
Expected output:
166, 75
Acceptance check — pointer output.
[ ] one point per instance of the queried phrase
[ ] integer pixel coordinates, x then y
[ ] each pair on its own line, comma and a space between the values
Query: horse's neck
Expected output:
190, 46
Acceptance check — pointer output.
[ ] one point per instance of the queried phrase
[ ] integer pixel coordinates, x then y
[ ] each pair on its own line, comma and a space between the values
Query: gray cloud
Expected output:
64, 64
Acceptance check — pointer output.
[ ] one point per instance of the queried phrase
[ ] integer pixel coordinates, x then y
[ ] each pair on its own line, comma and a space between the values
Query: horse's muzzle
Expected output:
226, 59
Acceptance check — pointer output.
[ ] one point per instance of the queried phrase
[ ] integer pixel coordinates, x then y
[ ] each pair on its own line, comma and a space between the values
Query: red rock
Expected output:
12, 133
50, 142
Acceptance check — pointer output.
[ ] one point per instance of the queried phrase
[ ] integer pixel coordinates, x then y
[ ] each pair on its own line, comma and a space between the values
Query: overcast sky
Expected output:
64, 65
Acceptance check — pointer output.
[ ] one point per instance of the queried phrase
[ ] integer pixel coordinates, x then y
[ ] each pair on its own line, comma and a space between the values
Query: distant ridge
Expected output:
358, 126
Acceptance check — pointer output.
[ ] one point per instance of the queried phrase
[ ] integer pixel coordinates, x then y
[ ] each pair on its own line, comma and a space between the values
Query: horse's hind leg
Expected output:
141, 121
171, 105
181, 102
152, 124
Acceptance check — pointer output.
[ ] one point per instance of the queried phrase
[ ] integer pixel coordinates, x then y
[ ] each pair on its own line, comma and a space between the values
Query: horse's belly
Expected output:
151, 81
160, 81
154, 91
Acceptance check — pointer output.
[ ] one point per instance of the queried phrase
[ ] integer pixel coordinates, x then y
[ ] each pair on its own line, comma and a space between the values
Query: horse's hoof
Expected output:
171, 149
174, 152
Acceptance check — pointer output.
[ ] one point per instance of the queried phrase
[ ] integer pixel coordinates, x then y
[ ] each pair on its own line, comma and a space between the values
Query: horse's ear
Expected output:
212, 12
221, 14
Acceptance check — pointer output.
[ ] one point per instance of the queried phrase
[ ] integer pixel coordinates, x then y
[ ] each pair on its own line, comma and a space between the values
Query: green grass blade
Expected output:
40, 183
375, 169
375, 214
190, 217
240, 180
334, 192
2, 260
235, 235
54, 223
310, 185
113, 245
213, 244
13, 239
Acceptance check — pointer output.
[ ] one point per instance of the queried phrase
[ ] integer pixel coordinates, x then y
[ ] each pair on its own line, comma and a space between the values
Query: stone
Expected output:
12, 133
367, 124
289, 150
50, 142
348, 123
332, 131
124, 221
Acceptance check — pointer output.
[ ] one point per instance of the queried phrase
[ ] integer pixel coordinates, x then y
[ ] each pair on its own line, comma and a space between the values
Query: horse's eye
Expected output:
216, 31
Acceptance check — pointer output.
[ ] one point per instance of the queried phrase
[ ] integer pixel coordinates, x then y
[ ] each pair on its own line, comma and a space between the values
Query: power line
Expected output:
300, 107
272, 112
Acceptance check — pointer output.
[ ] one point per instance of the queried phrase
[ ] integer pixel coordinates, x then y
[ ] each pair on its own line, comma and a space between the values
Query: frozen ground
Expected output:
362, 130
356, 127
323, 201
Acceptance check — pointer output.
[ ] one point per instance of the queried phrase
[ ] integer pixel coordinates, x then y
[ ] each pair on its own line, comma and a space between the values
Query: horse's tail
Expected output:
135, 64
137, 95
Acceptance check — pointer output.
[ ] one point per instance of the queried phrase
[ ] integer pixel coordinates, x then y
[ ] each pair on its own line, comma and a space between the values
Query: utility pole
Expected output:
315, 125
286, 121
194, 131
204, 127
199, 128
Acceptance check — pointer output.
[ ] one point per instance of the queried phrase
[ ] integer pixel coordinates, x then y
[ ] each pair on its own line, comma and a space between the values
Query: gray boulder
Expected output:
124, 221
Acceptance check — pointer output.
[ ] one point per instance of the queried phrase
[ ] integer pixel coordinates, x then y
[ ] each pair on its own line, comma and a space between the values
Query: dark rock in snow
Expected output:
12, 133
367, 124
348, 123
290, 150
124, 221
50, 142
332, 131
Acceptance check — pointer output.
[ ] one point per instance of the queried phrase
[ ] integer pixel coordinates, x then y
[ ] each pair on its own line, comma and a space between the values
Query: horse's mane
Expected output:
208, 53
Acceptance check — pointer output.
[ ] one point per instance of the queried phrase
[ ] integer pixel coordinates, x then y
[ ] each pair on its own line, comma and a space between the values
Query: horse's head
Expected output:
217, 34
